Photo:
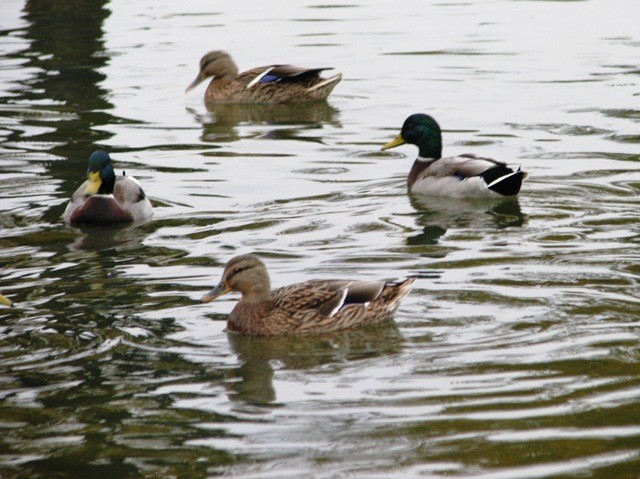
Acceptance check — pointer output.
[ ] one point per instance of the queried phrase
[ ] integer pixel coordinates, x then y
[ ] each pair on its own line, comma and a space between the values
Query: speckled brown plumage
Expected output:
268, 84
311, 307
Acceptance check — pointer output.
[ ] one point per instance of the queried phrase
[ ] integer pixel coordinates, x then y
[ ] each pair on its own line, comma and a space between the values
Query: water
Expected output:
515, 356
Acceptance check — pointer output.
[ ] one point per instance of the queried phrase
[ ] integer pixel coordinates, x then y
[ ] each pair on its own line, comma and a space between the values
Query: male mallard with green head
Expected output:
268, 84
465, 175
315, 306
104, 199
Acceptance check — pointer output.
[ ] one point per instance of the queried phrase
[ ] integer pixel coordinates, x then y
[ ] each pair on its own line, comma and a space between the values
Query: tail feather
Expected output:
504, 180
329, 81
398, 291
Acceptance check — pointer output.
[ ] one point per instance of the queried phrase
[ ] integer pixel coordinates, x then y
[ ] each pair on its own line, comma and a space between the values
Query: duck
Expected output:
267, 84
314, 306
104, 199
464, 176
5, 301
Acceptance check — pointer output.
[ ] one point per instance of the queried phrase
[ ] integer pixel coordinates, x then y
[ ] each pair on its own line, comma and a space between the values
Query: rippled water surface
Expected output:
517, 353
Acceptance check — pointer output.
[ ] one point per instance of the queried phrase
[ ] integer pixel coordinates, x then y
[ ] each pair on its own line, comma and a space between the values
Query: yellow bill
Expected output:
94, 183
397, 141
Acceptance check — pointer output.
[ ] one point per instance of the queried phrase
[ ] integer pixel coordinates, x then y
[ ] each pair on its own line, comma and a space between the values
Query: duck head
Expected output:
420, 130
100, 174
216, 64
245, 274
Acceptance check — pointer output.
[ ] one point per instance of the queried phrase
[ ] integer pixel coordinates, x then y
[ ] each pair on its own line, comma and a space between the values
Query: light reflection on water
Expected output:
515, 355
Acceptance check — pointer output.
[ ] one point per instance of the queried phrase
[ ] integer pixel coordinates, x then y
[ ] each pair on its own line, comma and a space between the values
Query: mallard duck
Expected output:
465, 175
268, 84
310, 307
6, 301
104, 199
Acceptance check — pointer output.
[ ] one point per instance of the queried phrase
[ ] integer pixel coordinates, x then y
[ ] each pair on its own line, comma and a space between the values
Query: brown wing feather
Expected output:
306, 77
293, 71
303, 307
296, 88
308, 295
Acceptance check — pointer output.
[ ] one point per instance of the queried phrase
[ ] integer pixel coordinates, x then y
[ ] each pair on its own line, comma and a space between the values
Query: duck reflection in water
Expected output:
124, 237
260, 356
436, 215
221, 123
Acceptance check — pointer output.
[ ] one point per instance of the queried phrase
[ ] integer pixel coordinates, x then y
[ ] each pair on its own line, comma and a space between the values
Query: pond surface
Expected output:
517, 354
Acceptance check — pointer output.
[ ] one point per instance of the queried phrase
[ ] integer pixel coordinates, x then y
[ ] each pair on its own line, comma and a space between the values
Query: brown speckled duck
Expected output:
268, 84
104, 199
315, 306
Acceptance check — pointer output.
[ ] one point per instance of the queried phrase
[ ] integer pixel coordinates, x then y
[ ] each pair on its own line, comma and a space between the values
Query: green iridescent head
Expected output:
424, 132
100, 174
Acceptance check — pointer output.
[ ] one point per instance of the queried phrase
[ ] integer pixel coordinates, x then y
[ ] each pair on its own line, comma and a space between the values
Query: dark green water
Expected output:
517, 354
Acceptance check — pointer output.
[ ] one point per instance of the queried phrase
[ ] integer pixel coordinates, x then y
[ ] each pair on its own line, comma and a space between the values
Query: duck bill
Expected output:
397, 141
94, 183
199, 79
6, 301
216, 292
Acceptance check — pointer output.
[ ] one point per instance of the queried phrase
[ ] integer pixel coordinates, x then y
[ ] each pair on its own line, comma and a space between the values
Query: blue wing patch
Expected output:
269, 78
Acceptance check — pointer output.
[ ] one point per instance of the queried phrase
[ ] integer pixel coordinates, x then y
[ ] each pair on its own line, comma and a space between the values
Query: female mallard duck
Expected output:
311, 307
460, 176
268, 84
104, 199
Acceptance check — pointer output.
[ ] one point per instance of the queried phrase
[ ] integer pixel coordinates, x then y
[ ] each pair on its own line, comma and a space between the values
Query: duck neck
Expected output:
223, 80
258, 293
108, 178
418, 167
430, 147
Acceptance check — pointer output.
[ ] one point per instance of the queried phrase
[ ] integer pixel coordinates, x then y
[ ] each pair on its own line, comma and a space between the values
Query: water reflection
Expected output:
436, 215
120, 237
260, 355
66, 53
221, 123
522, 343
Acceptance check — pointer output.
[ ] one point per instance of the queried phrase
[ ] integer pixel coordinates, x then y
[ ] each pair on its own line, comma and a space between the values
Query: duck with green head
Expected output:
267, 84
315, 306
464, 175
105, 199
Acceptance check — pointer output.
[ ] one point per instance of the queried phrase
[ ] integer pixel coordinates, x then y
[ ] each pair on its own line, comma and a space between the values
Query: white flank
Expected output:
473, 187
141, 210
134, 180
